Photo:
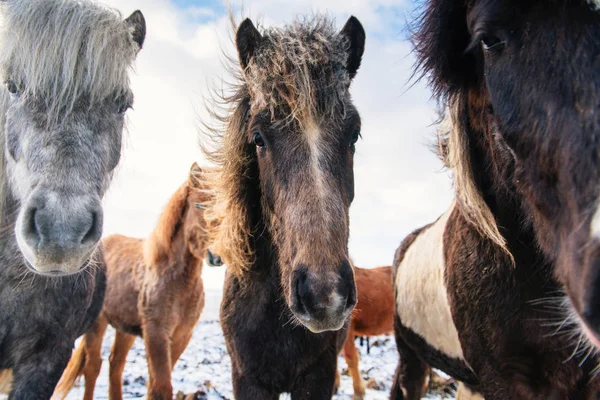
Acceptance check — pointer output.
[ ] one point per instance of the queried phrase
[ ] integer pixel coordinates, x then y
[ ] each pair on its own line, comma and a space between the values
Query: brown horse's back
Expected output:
124, 273
374, 312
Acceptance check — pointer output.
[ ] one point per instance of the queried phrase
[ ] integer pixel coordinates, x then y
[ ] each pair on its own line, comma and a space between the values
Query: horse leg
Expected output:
410, 374
352, 357
318, 382
37, 376
158, 352
247, 389
93, 353
118, 356
179, 343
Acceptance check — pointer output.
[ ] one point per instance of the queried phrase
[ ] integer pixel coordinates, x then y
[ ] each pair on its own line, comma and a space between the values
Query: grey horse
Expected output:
66, 67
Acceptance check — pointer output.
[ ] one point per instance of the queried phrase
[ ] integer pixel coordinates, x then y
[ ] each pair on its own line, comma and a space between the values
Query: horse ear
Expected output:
355, 33
137, 23
195, 173
195, 169
247, 40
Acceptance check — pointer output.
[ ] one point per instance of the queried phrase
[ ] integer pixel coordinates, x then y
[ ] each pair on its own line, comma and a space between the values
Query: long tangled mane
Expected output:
298, 74
453, 149
64, 50
440, 43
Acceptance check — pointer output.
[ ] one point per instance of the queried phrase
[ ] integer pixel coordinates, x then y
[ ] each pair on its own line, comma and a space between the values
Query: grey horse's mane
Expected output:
60, 51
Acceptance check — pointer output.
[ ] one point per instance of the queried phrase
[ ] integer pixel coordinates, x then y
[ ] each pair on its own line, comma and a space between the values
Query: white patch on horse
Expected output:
314, 139
595, 4
595, 227
422, 299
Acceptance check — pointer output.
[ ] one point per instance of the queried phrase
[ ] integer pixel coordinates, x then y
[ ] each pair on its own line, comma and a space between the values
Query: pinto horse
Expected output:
154, 290
502, 292
373, 316
65, 65
282, 198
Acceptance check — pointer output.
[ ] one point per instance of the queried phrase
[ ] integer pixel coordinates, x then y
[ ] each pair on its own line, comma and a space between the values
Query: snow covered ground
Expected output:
205, 365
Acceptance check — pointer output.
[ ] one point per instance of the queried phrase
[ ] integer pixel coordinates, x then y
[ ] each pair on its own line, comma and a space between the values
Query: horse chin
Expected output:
320, 326
593, 337
56, 271
576, 319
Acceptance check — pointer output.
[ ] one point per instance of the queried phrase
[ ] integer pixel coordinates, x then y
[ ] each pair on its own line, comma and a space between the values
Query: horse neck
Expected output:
265, 268
494, 180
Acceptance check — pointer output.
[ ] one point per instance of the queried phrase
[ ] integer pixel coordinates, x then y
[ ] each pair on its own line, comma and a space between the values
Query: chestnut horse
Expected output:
502, 292
282, 202
154, 290
373, 316
65, 68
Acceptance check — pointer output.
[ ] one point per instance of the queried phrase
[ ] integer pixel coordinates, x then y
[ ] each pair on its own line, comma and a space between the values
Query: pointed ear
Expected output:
355, 33
247, 40
195, 175
195, 169
137, 23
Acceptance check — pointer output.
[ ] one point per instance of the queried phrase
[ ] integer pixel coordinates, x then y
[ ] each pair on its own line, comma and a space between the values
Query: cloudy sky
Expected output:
400, 184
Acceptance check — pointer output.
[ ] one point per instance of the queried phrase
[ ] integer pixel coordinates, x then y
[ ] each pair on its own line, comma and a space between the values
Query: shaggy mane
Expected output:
64, 50
300, 70
299, 75
453, 149
440, 43
157, 247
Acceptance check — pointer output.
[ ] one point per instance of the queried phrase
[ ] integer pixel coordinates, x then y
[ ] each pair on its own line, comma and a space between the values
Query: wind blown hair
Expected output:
443, 60
298, 74
61, 51
453, 149
300, 69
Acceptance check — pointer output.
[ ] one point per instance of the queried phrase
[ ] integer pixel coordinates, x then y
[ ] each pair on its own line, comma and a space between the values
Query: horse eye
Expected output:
198, 206
355, 137
492, 43
123, 108
258, 140
12, 87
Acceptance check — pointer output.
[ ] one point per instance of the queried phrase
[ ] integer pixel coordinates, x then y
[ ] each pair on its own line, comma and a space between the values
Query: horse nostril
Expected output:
347, 286
32, 231
94, 232
301, 291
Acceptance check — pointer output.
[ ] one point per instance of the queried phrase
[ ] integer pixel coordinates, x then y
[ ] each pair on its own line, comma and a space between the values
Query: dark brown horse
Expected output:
373, 316
282, 205
154, 290
503, 291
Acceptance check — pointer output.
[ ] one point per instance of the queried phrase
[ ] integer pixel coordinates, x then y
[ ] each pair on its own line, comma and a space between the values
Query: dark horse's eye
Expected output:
199, 206
492, 43
355, 137
12, 87
123, 108
258, 140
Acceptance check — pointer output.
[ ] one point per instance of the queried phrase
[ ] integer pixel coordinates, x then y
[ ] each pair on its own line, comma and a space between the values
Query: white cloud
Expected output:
399, 186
